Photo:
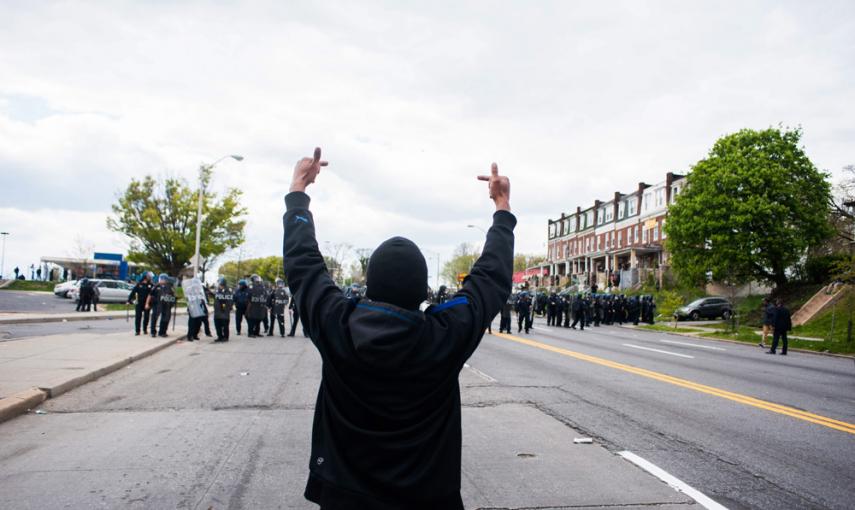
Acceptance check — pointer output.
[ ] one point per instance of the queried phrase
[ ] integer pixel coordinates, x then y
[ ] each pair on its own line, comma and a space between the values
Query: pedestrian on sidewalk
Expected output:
782, 324
387, 427
768, 320
140, 293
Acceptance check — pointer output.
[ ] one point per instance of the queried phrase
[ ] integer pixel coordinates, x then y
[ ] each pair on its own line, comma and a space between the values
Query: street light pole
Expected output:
202, 169
435, 254
3, 257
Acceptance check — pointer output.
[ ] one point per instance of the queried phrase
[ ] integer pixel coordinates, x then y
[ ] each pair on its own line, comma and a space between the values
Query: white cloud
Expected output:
573, 101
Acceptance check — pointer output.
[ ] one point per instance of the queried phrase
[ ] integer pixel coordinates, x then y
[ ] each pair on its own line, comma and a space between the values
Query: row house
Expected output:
613, 241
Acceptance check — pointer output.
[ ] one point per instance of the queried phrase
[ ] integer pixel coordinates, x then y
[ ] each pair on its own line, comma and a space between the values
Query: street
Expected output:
203, 425
31, 301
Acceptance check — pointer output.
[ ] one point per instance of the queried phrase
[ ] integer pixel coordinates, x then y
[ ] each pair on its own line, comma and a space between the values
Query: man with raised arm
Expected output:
386, 433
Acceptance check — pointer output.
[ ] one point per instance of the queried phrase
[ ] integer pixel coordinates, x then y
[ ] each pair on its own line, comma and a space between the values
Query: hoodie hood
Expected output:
383, 335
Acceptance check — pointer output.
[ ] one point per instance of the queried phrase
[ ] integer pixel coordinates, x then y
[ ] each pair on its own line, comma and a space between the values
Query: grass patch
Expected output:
669, 329
31, 285
748, 335
832, 323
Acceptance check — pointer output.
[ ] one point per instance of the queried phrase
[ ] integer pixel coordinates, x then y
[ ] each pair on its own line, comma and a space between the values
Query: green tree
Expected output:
268, 268
750, 211
159, 217
523, 261
461, 261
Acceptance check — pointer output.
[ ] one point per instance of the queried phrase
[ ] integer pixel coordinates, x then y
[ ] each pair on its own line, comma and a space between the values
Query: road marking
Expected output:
659, 350
681, 486
693, 345
685, 383
479, 373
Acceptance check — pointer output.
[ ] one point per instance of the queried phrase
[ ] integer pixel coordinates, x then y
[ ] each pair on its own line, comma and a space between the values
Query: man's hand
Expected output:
306, 170
500, 188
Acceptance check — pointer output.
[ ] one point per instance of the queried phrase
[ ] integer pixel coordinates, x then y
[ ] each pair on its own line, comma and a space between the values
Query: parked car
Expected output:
706, 308
109, 291
61, 289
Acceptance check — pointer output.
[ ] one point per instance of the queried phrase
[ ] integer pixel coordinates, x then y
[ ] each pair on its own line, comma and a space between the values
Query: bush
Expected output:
822, 268
668, 301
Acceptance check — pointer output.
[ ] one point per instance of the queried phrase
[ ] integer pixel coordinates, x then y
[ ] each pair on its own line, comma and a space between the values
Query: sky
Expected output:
410, 101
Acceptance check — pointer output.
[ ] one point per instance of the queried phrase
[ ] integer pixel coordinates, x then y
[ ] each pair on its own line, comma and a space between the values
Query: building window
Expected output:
609, 213
663, 228
630, 205
648, 197
644, 235
629, 235
656, 233
620, 239
660, 197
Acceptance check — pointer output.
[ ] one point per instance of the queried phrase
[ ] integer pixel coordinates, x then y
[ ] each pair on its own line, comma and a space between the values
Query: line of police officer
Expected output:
583, 309
255, 302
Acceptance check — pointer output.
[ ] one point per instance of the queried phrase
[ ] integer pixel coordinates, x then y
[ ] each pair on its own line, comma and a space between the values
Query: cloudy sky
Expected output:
410, 101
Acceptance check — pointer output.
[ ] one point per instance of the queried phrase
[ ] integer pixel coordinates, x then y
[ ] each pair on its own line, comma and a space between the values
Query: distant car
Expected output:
109, 291
62, 289
706, 308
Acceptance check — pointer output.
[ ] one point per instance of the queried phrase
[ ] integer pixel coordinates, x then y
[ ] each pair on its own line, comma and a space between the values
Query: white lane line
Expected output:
541, 329
479, 373
693, 345
679, 485
658, 350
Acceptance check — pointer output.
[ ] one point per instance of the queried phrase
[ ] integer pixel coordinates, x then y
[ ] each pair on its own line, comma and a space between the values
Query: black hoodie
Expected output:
386, 432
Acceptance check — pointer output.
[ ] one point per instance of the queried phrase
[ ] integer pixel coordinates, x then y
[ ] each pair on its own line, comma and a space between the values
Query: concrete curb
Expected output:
737, 342
20, 403
24, 401
64, 318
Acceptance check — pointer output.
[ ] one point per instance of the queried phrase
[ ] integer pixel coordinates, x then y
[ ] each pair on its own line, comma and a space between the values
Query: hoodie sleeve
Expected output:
313, 290
484, 291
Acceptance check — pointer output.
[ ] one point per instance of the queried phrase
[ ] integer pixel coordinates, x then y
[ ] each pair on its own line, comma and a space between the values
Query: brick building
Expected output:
618, 240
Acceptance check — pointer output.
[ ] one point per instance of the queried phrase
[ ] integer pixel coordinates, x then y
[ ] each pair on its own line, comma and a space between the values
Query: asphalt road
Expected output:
31, 301
9, 332
226, 426
744, 456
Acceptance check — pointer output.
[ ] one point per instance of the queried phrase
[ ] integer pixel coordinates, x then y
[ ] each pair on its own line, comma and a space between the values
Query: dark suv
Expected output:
707, 308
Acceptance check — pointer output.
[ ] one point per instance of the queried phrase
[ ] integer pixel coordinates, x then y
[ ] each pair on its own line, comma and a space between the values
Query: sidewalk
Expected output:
30, 317
38, 368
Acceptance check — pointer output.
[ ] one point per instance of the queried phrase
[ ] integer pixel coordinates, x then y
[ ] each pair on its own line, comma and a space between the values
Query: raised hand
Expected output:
500, 188
306, 170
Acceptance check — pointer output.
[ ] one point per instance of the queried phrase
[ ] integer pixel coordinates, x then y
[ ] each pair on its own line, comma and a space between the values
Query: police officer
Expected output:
241, 301
141, 291
82, 288
523, 312
223, 301
277, 301
579, 309
256, 310
160, 301
551, 309
505, 319
295, 318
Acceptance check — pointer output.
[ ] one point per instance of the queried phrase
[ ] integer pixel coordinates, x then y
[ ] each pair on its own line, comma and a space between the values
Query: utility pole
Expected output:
3, 257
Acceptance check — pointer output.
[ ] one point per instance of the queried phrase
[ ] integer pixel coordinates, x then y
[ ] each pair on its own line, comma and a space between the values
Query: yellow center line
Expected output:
685, 383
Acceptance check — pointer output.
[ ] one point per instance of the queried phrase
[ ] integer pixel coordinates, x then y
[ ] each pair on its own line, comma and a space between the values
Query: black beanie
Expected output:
397, 274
